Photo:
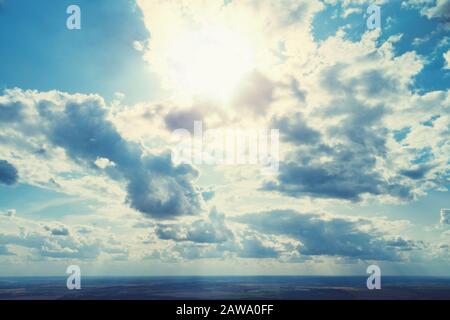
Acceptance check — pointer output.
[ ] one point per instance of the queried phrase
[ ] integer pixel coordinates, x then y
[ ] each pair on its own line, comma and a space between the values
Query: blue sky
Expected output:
87, 116
75, 61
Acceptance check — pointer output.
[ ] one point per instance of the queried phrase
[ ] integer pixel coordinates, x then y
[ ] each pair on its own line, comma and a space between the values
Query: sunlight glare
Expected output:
209, 62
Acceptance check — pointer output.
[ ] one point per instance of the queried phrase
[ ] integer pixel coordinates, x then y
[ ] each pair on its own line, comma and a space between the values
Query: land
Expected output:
227, 288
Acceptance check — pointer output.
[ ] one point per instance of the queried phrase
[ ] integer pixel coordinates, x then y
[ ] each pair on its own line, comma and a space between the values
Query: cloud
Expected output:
253, 248
10, 213
431, 8
162, 190
11, 111
326, 236
55, 241
447, 59
356, 86
193, 251
213, 230
8, 173
79, 124
345, 173
440, 10
46, 247
213, 239
58, 230
404, 245
3, 249
256, 93
104, 163
445, 217
183, 119
417, 173
262, 27
295, 129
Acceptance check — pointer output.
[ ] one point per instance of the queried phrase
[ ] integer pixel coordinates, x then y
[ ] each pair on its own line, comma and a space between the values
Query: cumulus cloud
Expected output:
58, 230
8, 173
327, 236
441, 9
45, 246
346, 173
256, 93
295, 129
55, 241
183, 119
254, 248
79, 124
430, 8
104, 163
213, 230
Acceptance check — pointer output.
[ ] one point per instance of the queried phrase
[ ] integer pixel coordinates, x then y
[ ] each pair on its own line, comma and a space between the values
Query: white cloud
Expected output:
447, 60
430, 8
104, 163
9, 213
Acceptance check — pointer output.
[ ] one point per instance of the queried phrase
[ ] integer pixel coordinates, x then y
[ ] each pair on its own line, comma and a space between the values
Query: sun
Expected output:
209, 62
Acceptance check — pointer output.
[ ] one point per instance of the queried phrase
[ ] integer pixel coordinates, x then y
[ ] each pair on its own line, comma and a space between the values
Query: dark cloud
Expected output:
440, 10
324, 236
418, 173
213, 230
58, 230
191, 251
253, 248
295, 129
162, 190
12, 111
8, 173
348, 175
299, 93
183, 119
404, 245
155, 186
371, 83
79, 124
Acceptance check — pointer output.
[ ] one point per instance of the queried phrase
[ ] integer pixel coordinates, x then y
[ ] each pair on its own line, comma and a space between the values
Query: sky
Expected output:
358, 118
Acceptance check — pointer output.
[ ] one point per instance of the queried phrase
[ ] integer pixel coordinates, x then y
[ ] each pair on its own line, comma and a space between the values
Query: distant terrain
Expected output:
211, 288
